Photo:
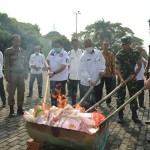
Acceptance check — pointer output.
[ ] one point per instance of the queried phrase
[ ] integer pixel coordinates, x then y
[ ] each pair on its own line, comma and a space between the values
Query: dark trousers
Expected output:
131, 85
73, 88
39, 78
2, 91
57, 88
17, 82
93, 98
108, 85
140, 85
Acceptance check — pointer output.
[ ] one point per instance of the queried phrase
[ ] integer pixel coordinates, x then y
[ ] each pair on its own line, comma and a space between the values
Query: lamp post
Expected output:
77, 13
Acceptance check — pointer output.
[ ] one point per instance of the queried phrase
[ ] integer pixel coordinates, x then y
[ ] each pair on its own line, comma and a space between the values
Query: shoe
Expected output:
4, 104
142, 107
147, 122
136, 120
11, 113
20, 110
29, 96
120, 120
40, 96
109, 105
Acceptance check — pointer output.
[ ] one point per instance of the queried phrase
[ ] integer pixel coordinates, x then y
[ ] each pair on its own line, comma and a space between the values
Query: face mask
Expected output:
37, 53
89, 49
57, 50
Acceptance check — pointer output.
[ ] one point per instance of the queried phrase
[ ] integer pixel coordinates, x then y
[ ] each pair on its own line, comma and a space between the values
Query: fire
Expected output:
82, 109
62, 102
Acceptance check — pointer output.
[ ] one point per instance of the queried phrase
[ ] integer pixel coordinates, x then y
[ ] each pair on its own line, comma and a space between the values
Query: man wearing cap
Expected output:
126, 60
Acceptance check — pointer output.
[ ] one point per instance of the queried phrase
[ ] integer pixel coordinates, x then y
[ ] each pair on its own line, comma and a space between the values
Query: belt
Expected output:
17, 71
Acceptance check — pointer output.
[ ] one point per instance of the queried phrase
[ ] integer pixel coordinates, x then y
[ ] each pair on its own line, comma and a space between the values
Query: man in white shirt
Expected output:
140, 78
92, 65
36, 63
57, 60
2, 91
74, 69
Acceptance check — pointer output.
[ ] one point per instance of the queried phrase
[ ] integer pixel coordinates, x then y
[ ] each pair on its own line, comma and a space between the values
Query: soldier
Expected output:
15, 72
126, 59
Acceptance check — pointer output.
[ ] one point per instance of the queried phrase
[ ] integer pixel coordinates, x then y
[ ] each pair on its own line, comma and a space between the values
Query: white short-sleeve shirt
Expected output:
57, 59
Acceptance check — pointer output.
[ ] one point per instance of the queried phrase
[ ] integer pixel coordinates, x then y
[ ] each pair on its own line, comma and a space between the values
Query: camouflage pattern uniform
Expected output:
16, 71
126, 61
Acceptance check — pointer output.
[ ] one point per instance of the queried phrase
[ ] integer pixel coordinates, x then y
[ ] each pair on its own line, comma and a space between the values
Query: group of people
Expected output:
80, 68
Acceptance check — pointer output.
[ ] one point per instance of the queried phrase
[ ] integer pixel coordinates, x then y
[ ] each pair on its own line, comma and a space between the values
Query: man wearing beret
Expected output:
126, 60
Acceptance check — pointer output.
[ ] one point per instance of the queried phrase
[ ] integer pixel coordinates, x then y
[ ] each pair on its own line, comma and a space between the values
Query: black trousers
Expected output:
93, 98
57, 88
140, 85
39, 78
108, 85
73, 88
2, 91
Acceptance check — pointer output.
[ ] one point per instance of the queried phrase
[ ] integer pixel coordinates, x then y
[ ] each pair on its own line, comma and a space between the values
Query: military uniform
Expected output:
15, 72
127, 61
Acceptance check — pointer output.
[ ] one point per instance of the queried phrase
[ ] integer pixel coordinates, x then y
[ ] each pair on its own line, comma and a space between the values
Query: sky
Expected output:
60, 15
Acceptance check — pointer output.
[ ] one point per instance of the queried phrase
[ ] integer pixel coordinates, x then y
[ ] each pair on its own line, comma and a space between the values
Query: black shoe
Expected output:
120, 120
40, 96
147, 122
11, 115
20, 110
4, 104
109, 105
136, 120
142, 107
29, 96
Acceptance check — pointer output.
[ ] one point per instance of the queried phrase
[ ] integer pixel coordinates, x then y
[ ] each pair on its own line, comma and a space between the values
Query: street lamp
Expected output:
77, 13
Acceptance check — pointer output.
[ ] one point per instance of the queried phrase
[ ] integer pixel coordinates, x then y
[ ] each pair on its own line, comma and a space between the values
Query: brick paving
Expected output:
129, 136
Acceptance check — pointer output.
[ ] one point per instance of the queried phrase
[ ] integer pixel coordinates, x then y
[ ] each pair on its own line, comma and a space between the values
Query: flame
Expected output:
78, 107
62, 102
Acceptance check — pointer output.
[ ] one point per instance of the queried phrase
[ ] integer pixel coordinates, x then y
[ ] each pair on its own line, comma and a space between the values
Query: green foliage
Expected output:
29, 33
52, 36
113, 32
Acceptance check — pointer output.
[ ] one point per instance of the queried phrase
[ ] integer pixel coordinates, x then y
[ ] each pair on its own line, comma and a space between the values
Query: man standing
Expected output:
109, 71
126, 59
92, 66
2, 91
15, 72
36, 63
140, 78
58, 61
74, 69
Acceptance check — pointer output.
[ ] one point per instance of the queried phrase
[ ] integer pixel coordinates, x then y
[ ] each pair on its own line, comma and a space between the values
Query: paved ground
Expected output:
129, 136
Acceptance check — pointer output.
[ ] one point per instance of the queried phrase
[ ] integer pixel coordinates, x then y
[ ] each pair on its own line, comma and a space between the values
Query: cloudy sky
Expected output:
133, 14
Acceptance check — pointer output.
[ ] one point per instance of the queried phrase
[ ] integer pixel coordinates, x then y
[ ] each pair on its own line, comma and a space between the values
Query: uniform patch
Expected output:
67, 60
88, 59
53, 53
60, 55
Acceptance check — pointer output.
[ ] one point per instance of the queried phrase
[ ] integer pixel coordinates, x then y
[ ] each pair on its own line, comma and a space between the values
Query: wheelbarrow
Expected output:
69, 138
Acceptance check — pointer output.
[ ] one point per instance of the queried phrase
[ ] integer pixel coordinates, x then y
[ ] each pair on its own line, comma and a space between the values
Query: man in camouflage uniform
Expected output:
126, 59
15, 72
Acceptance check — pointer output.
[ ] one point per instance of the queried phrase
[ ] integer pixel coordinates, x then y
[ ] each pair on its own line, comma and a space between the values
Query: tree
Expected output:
30, 34
113, 32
